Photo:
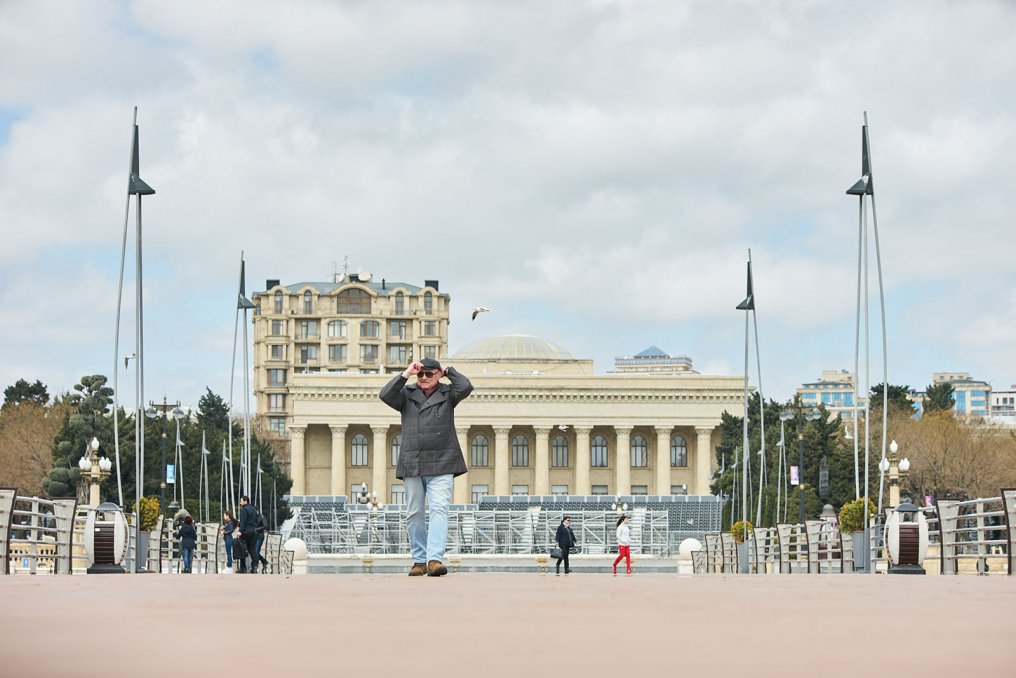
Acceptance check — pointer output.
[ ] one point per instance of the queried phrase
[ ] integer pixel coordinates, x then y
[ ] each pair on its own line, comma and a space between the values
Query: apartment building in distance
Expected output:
653, 361
834, 389
352, 324
971, 397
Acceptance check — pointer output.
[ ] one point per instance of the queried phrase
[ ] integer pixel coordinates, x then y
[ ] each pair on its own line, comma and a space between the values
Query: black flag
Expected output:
242, 302
135, 186
865, 185
749, 302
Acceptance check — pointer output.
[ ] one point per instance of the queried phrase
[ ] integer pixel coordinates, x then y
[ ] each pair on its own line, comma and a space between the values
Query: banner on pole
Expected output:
793, 476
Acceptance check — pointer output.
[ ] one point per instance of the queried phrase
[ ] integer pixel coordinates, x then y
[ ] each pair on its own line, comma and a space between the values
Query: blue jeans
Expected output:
229, 550
428, 542
188, 553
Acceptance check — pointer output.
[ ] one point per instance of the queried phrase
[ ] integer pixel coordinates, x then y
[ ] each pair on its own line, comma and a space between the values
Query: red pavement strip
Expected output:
492, 625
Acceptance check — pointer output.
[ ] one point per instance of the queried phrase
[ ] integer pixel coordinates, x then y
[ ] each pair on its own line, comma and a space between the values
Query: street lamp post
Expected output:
154, 410
95, 469
811, 415
897, 470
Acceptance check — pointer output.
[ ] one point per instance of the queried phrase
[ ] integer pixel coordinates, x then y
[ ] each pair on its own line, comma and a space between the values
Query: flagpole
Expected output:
761, 407
139, 188
116, 332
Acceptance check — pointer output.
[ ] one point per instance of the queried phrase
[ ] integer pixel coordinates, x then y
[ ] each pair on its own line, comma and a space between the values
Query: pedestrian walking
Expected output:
261, 530
188, 537
248, 532
566, 541
227, 528
430, 455
623, 544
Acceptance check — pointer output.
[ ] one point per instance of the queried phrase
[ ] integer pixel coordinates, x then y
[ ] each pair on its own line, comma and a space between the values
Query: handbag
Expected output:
556, 553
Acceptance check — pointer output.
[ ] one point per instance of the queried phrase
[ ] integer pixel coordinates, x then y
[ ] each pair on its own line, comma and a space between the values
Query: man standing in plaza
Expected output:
430, 455
248, 532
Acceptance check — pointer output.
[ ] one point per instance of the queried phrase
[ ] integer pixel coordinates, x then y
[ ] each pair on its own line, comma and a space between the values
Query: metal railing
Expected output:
977, 535
339, 529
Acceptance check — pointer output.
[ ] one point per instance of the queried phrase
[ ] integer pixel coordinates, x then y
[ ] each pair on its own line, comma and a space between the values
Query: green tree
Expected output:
899, 400
86, 418
21, 391
938, 398
822, 440
213, 411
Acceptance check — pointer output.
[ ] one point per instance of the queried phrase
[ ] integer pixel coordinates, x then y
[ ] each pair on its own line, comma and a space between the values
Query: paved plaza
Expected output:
506, 624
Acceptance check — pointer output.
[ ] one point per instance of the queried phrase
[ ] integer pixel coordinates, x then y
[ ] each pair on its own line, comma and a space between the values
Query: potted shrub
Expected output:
149, 510
739, 531
852, 519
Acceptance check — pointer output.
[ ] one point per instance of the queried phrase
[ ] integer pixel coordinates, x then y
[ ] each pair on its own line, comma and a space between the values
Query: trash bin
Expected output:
106, 539
906, 539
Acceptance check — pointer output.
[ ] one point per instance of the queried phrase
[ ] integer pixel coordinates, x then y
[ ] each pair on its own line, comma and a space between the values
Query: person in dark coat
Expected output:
227, 528
248, 532
188, 537
566, 541
262, 532
430, 455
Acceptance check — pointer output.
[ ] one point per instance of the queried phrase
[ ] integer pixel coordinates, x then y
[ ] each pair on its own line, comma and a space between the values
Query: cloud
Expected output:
573, 166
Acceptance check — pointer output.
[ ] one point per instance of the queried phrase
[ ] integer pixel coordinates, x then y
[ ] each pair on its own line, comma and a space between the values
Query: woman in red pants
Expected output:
623, 544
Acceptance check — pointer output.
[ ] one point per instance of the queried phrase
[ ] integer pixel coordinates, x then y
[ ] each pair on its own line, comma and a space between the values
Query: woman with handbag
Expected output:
623, 544
565, 539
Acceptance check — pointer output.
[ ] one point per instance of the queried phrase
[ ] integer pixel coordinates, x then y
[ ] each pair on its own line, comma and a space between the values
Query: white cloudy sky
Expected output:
594, 171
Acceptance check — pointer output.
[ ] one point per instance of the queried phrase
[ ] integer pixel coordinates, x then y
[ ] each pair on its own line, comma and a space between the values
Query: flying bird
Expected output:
478, 310
127, 359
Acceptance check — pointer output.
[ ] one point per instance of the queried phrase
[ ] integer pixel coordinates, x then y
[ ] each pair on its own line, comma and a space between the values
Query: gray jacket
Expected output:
429, 444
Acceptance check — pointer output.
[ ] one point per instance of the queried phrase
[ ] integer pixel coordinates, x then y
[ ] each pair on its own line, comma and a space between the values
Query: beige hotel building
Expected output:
539, 421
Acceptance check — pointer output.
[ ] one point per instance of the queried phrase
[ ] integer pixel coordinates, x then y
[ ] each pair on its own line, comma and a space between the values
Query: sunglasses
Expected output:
426, 374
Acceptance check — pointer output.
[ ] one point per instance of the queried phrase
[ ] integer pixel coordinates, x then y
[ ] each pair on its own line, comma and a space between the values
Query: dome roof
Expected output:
513, 347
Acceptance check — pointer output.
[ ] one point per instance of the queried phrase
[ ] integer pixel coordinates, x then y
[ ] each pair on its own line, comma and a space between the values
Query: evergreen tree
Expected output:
899, 401
822, 439
85, 419
938, 398
21, 391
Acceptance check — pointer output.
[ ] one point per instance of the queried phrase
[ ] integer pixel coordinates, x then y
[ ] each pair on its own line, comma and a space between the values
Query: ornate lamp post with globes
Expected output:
94, 469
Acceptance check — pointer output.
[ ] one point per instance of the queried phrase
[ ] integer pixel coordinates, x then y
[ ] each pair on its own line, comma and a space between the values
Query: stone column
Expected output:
703, 460
582, 461
297, 461
541, 477
379, 467
339, 460
460, 489
662, 460
502, 458
622, 460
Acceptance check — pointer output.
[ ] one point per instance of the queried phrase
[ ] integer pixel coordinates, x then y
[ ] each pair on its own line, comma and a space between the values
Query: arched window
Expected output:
479, 451
639, 452
559, 452
278, 303
520, 451
308, 302
353, 300
678, 452
369, 328
598, 451
337, 329
428, 303
396, 448
400, 303
359, 450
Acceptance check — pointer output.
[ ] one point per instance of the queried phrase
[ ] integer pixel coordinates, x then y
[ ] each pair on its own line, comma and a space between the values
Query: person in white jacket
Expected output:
623, 544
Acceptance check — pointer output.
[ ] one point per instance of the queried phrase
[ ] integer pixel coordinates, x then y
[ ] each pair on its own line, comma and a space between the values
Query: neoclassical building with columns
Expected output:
539, 422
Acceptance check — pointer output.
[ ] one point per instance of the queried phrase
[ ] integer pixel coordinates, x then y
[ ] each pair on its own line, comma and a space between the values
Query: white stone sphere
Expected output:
687, 546
298, 547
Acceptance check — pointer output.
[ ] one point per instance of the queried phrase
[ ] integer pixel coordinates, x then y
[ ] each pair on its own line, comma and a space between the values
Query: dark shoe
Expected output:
567, 571
418, 570
435, 568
